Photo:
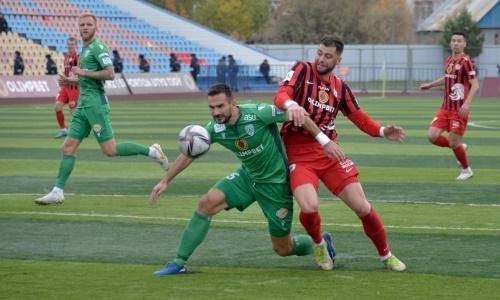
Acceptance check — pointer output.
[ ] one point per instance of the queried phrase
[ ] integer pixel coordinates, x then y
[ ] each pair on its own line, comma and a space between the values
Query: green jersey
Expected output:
94, 57
256, 142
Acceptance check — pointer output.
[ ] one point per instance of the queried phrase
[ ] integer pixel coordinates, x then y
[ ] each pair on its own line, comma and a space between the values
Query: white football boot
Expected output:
158, 156
465, 174
54, 197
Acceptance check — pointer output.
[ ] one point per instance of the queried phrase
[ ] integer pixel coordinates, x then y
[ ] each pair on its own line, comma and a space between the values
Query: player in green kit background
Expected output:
251, 133
94, 67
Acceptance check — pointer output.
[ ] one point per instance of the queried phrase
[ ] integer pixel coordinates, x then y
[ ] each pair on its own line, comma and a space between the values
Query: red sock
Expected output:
374, 229
442, 141
60, 119
312, 224
461, 156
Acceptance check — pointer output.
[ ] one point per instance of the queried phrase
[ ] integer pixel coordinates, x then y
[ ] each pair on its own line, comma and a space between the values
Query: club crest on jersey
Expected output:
449, 69
241, 144
249, 129
323, 96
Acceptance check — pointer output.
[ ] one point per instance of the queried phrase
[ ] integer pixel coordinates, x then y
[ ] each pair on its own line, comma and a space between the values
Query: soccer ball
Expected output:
194, 141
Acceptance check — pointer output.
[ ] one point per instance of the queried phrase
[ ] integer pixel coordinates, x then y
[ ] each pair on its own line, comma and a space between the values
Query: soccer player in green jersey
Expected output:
251, 133
95, 66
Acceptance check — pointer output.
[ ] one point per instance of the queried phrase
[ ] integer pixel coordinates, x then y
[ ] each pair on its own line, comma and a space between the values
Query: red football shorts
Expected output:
69, 95
450, 121
309, 164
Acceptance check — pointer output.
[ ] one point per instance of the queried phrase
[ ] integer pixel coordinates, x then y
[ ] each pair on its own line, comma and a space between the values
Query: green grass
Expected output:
106, 240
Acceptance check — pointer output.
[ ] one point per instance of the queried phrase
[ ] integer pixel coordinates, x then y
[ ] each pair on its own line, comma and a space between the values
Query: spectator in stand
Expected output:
195, 67
221, 70
143, 64
51, 65
117, 62
498, 67
232, 73
175, 65
18, 64
4, 26
264, 70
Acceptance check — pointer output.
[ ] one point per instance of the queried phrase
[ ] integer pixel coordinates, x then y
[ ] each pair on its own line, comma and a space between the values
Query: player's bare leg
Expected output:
354, 197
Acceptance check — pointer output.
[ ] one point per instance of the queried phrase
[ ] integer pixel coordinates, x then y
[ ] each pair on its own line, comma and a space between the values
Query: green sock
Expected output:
193, 235
128, 148
302, 245
65, 168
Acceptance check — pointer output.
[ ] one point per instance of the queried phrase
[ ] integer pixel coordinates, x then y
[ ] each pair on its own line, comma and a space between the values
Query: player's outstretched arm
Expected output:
394, 133
428, 85
180, 163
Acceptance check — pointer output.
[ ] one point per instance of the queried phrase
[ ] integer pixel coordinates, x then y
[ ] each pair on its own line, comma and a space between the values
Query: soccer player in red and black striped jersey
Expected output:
68, 92
460, 86
312, 89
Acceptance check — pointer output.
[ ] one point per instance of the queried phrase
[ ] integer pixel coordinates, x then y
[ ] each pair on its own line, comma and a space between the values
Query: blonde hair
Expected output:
84, 15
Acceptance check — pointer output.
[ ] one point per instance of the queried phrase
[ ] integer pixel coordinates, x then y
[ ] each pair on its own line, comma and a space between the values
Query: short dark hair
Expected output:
220, 88
71, 39
330, 41
459, 33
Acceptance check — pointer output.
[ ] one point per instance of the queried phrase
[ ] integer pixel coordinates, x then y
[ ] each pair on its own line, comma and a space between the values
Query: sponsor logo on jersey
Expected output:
323, 96
291, 167
457, 67
329, 126
282, 213
261, 107
457, 92
249, 129
250, 117
219, 127
318, 104
252, 151
241, 144
455, 124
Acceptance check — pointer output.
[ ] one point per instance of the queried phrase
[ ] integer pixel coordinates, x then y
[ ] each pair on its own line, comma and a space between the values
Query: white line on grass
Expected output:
322, 198
96, 215
477, 125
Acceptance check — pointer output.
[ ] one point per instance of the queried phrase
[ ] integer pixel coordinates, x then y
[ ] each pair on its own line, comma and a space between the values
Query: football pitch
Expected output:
105, 241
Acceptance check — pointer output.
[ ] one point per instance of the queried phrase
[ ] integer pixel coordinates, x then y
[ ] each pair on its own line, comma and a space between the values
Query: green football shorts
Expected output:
274, 199
95, 118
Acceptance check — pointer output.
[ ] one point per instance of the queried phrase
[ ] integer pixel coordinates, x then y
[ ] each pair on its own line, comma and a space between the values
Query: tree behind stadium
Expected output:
463, 22
354, 21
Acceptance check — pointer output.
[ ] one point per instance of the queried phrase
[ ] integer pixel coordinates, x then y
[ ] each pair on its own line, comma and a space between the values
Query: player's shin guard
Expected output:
312, 224
302, 245
194, 234
128, 149
461, 156
374, 229
65, 168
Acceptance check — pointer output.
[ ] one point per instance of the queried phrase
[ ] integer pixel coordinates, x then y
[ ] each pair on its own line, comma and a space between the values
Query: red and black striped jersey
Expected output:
321, 99
70, 60
458, 72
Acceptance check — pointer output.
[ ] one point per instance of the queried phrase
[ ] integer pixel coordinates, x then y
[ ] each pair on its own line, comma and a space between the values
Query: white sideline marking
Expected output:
321, 198
476, 124
95, 215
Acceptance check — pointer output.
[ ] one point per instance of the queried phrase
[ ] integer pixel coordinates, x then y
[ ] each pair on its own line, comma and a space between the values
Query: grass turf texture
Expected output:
105, 240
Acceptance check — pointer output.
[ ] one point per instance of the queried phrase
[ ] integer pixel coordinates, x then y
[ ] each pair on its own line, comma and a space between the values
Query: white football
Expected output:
194, 141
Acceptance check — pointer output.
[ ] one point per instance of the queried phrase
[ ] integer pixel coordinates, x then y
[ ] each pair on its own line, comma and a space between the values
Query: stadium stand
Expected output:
51, 22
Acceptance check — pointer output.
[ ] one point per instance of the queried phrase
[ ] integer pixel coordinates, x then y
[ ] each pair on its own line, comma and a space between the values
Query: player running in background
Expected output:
251, 133
312, 88
460, 86
69, 90
91, 114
